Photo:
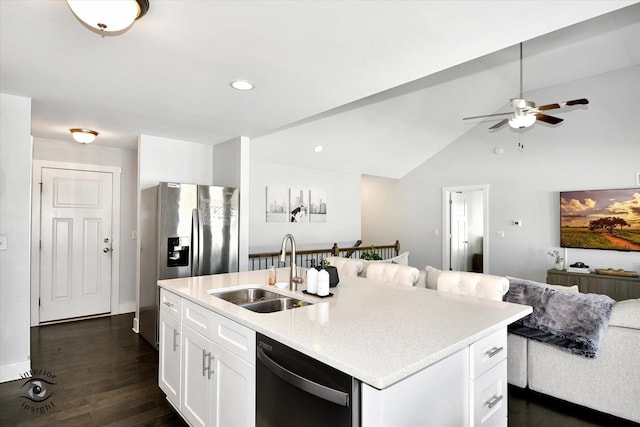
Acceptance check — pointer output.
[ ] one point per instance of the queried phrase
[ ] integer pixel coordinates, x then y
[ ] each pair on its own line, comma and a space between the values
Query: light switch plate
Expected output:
3, 243
638, 179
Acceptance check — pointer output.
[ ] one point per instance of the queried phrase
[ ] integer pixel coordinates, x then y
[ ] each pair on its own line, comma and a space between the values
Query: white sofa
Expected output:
609, 383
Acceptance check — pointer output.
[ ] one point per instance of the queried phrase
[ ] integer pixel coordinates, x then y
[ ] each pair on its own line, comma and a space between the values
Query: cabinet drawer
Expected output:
488, 352
170, 304
489, 398
197, 318
235, 338
230, 335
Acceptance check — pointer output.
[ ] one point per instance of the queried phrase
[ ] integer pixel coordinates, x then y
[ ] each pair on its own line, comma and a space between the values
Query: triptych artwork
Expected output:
295, 205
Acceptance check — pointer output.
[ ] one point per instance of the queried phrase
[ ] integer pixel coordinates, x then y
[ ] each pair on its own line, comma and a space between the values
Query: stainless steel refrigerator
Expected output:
186, 230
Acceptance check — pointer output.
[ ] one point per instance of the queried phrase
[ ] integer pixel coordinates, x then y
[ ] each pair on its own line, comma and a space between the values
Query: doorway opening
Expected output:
465, 240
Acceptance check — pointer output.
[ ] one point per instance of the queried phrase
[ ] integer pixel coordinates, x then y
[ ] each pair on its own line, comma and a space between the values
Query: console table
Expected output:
617, 287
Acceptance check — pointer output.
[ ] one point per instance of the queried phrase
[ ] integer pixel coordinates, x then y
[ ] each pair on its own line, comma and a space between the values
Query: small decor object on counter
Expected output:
312, 281
333, 272
619, 272
558, 259
272, 275
578, 267
323, 283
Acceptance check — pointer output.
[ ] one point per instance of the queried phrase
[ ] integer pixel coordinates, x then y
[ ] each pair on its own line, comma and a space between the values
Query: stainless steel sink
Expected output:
244, 296
274, 305
259, 300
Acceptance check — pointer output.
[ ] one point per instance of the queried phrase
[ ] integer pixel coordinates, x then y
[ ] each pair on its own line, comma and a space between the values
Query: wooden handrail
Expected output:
335, 251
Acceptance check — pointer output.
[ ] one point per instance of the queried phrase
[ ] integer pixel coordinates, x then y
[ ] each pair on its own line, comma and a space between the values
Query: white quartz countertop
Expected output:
376, 332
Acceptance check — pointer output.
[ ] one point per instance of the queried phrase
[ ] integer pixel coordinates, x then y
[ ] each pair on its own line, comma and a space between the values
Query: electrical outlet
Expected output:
134, 235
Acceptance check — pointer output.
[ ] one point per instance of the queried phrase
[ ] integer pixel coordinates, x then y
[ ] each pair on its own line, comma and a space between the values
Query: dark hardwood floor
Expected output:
106, 375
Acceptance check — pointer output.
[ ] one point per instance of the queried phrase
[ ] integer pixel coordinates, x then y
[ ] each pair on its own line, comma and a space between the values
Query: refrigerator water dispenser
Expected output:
178, 251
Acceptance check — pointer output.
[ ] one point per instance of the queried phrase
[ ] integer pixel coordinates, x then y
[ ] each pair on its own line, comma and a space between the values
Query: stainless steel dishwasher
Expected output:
293, 389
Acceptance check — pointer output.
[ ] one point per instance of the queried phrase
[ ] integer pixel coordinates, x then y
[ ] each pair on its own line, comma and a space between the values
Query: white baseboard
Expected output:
13, 371
126, 307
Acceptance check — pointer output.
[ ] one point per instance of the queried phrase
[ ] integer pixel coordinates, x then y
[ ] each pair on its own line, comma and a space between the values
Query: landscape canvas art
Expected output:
600, 219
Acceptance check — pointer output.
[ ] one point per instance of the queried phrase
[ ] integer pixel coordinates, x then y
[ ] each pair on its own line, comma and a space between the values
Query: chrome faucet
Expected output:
294, 280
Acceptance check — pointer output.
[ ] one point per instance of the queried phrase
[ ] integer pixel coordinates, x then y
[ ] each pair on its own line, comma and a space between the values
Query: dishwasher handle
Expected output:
304, 384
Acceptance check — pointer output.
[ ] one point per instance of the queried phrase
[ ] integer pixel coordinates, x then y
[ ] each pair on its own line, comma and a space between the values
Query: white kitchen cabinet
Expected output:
488, 392
234, 390
196, 389
217, 376
169, 367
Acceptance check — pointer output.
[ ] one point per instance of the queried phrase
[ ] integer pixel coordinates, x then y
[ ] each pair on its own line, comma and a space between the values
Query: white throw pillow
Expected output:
573, 288
626, 314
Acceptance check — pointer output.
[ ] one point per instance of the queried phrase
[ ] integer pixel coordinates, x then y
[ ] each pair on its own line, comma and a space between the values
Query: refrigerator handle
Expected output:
195, 243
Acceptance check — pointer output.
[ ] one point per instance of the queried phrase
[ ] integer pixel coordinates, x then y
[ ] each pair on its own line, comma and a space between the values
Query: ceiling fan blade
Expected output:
486, 115
548, 119
548, 107
582, 101
499, 124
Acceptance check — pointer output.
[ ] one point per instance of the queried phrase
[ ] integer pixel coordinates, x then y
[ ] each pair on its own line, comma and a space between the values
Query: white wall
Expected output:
231, 169
382, 211
15, 225
595, 148
72, 152
343, 212
162, 159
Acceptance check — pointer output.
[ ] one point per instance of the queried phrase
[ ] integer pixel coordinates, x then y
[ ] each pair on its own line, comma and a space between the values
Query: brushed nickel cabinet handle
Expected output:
176, 334
494, 401
494, 351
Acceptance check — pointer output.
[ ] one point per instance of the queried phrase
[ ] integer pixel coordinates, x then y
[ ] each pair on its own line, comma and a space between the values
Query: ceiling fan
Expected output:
525, 113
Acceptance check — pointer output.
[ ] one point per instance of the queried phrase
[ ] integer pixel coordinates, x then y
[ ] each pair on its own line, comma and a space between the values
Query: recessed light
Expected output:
242, 85
318, 149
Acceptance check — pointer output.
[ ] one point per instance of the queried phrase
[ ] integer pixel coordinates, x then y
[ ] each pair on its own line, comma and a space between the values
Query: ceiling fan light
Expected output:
83, 136
108, 15
522, 121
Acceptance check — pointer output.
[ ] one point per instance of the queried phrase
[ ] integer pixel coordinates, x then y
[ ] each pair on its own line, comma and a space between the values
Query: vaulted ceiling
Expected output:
360, 75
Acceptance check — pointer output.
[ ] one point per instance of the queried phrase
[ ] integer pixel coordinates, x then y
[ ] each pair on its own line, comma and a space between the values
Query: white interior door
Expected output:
76, 243
459, 241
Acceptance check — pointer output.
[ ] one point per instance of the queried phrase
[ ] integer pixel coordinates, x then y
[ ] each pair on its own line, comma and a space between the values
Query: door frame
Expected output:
446, 223
36, 174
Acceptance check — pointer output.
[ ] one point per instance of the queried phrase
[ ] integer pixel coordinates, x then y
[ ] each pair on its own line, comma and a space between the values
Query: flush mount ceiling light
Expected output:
242, 85
83, 136
318, 149
109, 16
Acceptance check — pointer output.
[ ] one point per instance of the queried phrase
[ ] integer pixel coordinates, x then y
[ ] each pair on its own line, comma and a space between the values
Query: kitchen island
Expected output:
378, 333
